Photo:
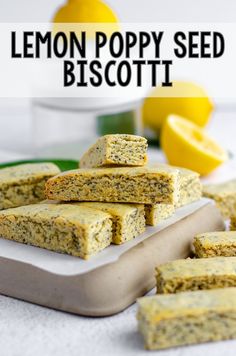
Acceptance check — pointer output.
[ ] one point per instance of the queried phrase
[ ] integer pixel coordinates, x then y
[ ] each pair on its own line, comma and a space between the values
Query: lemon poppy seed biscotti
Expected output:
120, 149
155, 214
24, 184
128, 219
233, 223
144, 185
190, 188
224, 195
187, 318
65, 228
194, 274
211, 244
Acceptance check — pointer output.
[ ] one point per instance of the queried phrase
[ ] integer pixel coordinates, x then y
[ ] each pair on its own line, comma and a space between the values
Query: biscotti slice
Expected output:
194, 274
157, 213
118, 150
211, 244
66, 228
142, 185
128, 219
233, 223
190, 186
224, 195
187, 318
24, 184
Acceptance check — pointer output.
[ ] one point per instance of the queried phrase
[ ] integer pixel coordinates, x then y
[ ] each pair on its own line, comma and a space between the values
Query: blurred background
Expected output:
128, 11
16, 125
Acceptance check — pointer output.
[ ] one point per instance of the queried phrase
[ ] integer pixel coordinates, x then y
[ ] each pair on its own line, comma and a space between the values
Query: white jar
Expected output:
66, 127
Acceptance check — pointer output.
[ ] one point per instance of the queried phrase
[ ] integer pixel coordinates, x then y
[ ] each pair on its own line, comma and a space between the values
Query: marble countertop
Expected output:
31, 330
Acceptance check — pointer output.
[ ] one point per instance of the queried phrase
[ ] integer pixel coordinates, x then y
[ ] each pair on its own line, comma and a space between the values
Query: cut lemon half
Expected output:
187, 145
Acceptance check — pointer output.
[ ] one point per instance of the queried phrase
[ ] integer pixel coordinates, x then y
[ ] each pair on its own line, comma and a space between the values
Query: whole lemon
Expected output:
85, 11
183, 98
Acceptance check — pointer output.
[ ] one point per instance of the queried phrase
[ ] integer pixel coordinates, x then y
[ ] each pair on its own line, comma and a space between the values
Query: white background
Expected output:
15, 115
28, 330
128, 10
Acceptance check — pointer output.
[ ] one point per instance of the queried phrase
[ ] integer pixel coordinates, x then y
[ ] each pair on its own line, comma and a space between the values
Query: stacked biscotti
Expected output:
109, 199
224, 195
195, 299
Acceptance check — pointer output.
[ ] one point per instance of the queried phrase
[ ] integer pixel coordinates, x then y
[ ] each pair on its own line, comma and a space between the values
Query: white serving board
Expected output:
66, 265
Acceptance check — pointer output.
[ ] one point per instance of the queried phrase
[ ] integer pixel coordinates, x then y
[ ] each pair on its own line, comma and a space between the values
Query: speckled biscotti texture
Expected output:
194, 274
224, 195
213, 244
187, 318
24, 184
128, 219
157, 213
66, 228
190, 188
142, 185
233, 223
118, 150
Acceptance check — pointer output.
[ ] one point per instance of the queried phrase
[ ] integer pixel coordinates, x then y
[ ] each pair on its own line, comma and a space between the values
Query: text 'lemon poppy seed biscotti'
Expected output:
118, 150
128, 219
212, 244
66, 228
187, 318
194, 274
145, 185
24, 184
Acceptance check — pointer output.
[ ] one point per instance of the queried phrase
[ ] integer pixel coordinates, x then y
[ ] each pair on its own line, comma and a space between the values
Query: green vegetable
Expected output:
121, 123
63, 164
